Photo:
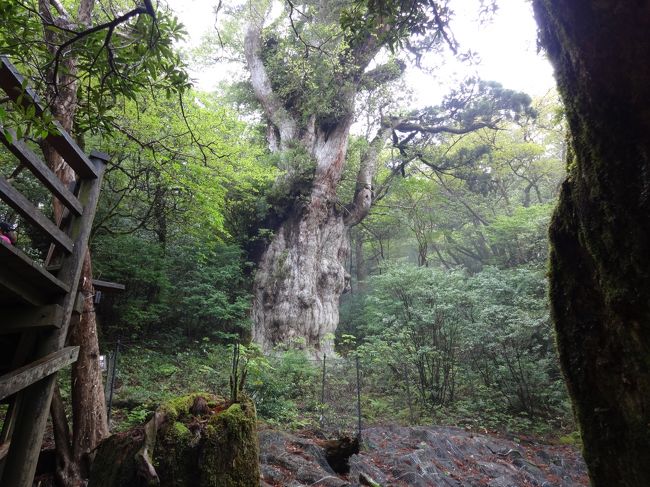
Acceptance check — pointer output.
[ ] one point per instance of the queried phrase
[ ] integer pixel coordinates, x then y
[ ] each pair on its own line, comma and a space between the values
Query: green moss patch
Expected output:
215, 449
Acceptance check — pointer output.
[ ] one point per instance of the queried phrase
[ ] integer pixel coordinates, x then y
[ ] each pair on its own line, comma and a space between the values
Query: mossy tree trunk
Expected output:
184, 445
301, 274
600, 234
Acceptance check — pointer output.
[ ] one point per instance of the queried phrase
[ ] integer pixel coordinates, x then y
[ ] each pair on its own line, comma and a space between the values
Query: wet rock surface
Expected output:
419, 457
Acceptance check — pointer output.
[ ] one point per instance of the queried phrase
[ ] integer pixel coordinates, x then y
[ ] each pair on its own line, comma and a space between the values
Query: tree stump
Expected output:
199, 440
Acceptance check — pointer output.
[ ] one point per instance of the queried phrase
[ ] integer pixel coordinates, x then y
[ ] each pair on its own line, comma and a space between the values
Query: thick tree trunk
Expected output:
301, 275
600, 234
299, 281
198, 440
88, 402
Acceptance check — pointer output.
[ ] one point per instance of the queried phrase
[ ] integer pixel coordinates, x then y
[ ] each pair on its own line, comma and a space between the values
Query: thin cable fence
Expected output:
339, 403
316, 393
338, 395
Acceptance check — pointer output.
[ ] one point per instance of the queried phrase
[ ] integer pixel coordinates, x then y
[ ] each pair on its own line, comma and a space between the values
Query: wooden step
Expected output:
32, 214
29, 159
23, 281
108, 287
26, 318
25, 376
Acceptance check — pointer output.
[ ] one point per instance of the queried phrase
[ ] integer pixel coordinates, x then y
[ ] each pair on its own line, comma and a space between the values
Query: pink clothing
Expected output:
5, 239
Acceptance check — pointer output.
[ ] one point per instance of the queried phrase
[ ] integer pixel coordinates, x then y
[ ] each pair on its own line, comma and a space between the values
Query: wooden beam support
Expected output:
27, 438
79, 304
108, 287
4, 449
43, 173
69, 150
22, 205
19, 319
25, 376
14, 85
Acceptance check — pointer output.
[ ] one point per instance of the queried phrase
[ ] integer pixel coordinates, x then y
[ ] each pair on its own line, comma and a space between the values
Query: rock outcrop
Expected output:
421, 457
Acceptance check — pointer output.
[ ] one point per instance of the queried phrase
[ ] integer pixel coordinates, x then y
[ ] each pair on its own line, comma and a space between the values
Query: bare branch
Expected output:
442, 28
407, 126
189, 129
85, 33
60, 9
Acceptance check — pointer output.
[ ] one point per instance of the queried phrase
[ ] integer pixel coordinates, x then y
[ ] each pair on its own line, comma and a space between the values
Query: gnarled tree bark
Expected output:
301, 274
600, 233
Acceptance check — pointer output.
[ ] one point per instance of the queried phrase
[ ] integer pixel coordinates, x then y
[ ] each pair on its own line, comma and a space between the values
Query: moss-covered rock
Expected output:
215, 449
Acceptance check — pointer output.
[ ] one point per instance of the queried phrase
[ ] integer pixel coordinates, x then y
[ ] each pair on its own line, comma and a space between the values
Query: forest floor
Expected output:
418, 457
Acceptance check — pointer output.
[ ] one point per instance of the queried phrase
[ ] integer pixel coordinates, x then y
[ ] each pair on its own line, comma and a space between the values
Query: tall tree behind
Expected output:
306, 74
89, 420
600, 234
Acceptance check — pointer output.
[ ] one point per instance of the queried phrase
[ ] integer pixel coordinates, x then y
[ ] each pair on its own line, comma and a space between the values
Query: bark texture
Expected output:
600, 233
301, 274
90, 425
299, 281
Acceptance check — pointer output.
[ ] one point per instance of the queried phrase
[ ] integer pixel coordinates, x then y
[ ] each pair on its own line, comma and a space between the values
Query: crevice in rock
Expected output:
339, 451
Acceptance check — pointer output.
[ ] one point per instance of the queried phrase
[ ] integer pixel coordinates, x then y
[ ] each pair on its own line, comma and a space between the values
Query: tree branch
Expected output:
384, 73
407, 126
363, 193
273, 107
60, 9
85, 33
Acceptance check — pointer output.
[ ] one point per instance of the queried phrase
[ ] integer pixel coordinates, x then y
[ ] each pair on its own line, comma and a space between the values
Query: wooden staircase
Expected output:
36, 304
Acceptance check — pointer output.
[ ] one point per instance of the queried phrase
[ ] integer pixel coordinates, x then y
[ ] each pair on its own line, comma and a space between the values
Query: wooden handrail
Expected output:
16, 88
31, 213
23, 377
25, 280
43, 173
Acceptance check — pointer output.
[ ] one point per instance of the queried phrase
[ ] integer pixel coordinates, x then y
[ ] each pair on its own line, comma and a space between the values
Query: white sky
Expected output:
506, 47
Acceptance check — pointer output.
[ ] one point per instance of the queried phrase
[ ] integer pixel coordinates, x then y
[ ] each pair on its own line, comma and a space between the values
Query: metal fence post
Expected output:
322, 395
358, 399
408, 395
110, 393
109, 371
